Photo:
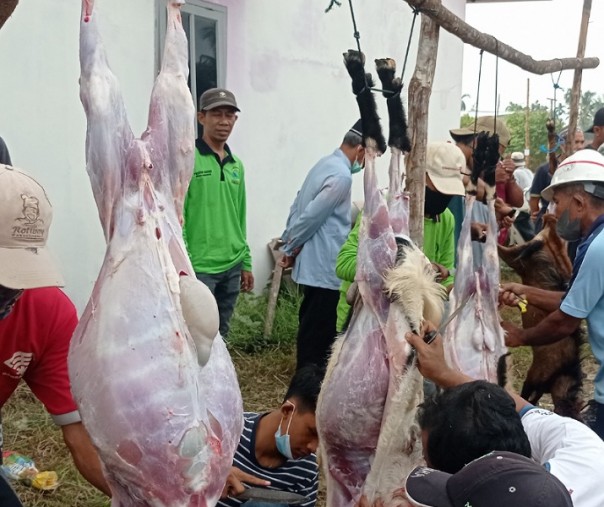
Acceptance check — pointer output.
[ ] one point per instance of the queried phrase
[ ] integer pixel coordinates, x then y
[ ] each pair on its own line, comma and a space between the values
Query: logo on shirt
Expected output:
19, 362
29, 226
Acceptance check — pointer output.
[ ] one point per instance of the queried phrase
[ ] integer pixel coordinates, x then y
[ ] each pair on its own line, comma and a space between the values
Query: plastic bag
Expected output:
23, 469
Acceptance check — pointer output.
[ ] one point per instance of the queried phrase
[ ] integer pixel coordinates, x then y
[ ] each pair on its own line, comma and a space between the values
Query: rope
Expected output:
415, 13
556, 88
496, 84
332, 4
478, 91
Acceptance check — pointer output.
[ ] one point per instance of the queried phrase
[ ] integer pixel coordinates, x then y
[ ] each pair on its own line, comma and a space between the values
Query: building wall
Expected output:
284, 64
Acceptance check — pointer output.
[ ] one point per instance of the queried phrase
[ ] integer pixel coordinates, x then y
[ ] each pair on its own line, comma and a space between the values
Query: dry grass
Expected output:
263, 378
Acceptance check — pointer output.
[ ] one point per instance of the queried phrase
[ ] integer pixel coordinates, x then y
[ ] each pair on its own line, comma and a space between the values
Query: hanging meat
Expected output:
366, 409
474, 341
153, 380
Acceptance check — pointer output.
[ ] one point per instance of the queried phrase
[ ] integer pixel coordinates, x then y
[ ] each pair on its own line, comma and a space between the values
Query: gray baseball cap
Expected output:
217, 97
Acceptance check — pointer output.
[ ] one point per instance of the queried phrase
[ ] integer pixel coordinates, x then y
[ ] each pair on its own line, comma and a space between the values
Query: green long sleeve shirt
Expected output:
439, 247
215, 213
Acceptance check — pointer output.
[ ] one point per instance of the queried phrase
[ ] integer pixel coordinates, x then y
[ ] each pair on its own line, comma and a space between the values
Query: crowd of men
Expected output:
504, 443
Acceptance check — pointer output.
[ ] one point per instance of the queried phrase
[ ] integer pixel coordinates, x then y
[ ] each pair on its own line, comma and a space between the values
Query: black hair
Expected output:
305, 386
468, 421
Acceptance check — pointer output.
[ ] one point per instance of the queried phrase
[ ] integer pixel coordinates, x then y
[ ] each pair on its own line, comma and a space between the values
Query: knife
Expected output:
272, 496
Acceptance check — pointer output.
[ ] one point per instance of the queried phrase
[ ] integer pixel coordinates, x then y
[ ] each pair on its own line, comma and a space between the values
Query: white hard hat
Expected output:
581, 166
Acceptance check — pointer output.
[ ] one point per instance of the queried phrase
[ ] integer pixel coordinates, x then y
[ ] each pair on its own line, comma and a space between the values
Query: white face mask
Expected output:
282, 441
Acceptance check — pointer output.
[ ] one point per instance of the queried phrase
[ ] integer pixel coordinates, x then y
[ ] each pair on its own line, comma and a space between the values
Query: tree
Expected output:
588, 105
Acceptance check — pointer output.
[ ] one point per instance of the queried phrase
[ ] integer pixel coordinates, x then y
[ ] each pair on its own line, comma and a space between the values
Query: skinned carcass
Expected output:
474, 340
543, 262
366, 408
153, 380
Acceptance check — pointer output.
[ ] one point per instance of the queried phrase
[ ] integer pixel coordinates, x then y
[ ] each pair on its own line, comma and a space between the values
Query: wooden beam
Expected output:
468, 34
6, 9
420, 89
575, 95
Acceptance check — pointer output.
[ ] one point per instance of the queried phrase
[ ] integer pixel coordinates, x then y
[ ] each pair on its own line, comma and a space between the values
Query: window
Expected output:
205, 26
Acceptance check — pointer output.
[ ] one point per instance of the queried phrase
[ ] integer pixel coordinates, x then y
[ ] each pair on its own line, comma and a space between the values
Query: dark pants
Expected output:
598, 426
226, 287
317, 326
8, 498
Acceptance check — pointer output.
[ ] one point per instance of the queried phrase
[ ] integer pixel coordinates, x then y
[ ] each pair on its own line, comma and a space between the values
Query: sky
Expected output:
545, 29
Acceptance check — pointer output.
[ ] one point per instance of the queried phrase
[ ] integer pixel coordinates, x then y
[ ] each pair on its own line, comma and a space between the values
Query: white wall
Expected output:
284, 64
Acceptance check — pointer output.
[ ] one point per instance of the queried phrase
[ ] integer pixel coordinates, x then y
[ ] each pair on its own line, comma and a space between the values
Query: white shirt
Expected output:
571, 451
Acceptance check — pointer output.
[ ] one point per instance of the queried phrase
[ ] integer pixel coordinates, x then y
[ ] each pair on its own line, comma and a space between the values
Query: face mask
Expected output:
435, 203
568, 229
355, 167
282, 441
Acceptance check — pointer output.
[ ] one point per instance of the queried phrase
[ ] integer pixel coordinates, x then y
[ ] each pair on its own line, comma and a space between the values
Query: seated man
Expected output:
277, 448
480, 419
36, 318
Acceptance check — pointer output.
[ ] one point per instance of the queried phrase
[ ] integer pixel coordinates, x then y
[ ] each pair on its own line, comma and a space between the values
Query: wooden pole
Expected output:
420, 89
527, 135
6, 9
468, 34
575, 95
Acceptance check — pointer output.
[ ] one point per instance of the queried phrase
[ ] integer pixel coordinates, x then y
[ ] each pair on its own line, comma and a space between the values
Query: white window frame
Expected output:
217, 13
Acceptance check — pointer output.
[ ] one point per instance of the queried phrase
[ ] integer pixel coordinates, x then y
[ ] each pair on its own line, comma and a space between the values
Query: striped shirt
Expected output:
296, 475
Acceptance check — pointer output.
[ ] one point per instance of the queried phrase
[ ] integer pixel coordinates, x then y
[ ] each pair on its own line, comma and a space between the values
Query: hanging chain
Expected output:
478, 92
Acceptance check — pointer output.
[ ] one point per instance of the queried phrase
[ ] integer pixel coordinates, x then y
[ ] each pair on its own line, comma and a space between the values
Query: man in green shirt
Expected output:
215, 208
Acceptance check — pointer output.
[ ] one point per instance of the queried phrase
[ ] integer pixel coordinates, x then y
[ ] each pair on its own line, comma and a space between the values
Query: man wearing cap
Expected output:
597, 129
577, 191
522, 174
543, 178
215, 207
36, 318
483, 417
316, 228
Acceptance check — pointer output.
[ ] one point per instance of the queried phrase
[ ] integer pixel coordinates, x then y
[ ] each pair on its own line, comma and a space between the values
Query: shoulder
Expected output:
50, 299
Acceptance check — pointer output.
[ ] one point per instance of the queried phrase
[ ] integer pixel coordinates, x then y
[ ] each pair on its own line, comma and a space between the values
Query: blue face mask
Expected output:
355, 167
282, 441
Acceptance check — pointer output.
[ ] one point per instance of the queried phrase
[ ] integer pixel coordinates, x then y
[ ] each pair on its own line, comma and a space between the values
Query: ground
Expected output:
263, 378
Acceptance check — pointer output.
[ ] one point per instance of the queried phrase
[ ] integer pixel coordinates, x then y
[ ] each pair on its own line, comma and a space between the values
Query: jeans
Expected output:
226, 287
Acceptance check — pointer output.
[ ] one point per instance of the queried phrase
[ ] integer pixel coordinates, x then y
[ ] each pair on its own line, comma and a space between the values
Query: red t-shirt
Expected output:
34, 342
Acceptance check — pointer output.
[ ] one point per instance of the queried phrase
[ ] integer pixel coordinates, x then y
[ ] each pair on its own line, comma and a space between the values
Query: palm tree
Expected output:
6, 9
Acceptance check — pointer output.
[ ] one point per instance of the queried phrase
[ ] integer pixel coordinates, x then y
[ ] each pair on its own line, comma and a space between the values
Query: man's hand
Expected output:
513, 335
504, 214
287, 261
234, 483
478, 232
431, 358
511, 293
363, 502
442, 273
247, 281
502, 175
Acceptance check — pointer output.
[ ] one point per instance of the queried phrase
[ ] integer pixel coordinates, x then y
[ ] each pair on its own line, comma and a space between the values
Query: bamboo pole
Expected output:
575, 95
420, 89
469, 35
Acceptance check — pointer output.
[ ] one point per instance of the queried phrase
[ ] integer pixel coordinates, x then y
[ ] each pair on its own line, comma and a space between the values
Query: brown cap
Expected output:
488, 124
217, 97
25, 218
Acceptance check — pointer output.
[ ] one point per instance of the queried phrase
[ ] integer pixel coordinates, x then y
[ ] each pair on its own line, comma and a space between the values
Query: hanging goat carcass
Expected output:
543, 262
366, 409
152, 378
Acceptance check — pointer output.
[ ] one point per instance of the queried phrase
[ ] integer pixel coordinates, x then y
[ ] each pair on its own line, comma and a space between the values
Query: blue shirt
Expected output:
319, 222
585, 300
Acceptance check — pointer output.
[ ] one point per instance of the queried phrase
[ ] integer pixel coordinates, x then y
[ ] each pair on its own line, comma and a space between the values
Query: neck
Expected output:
589, 220
349, 152
266, 448
217, 146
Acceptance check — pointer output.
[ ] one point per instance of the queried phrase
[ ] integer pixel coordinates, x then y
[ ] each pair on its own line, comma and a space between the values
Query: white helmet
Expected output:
581, 166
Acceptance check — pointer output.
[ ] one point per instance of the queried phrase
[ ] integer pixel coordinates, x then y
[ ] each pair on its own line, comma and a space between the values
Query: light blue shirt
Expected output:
585, 300
319, 222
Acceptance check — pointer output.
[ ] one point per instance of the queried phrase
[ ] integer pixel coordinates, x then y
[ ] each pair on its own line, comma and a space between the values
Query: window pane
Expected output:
206, 70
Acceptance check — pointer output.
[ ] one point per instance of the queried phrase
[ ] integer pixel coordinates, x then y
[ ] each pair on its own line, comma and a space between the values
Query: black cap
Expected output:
499, 479
357, 128
217, 97
598, 120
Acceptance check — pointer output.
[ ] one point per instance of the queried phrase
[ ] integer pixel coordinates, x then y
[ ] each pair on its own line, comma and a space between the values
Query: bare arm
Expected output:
554, 327
84, 455
234, 484
515, 195
534, 204
546, 300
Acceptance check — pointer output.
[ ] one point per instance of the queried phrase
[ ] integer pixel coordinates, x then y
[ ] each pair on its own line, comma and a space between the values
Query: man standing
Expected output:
597, 129
37, 320
317, 226
577, 190
215, 208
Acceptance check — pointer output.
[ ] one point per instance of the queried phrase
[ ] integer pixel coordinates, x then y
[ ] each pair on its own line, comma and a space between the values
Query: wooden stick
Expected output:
469, 35
6, 9
420, 89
